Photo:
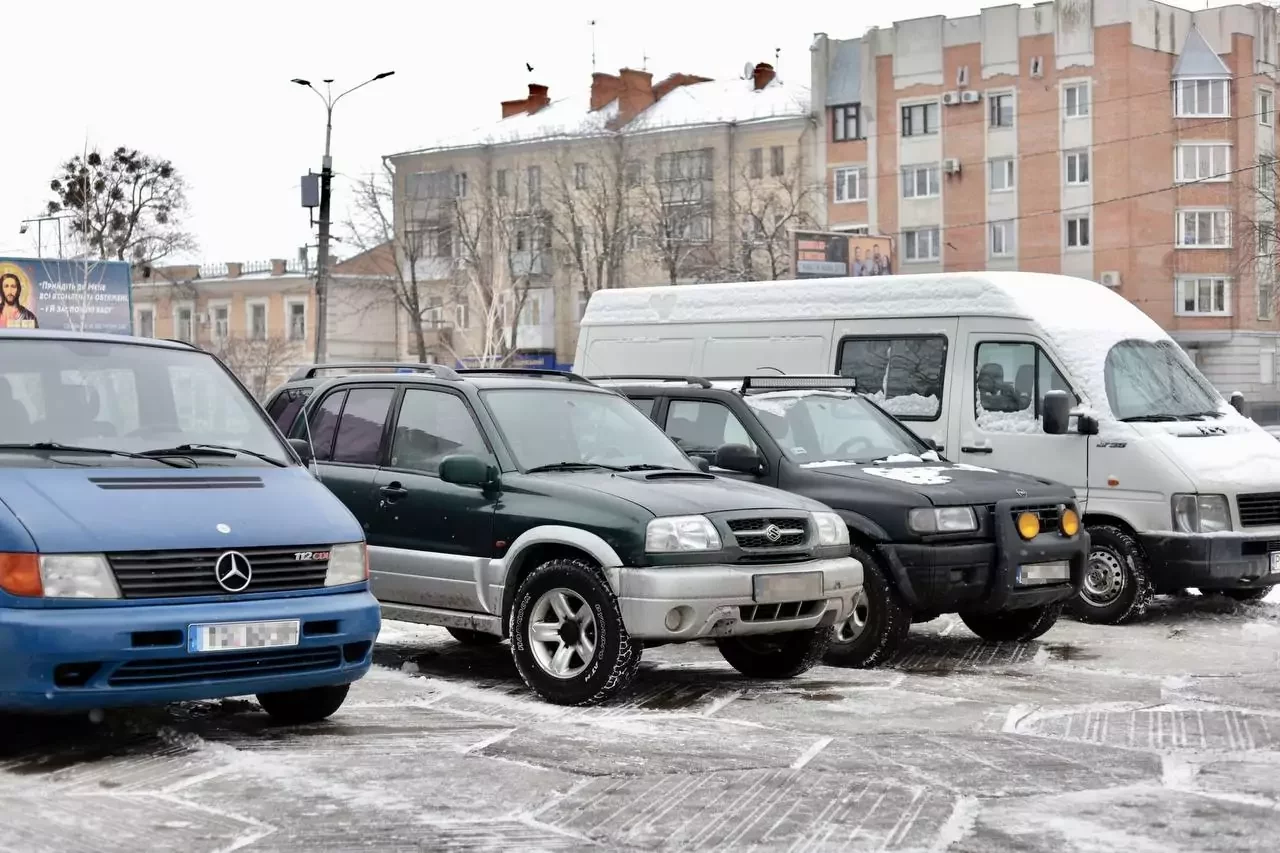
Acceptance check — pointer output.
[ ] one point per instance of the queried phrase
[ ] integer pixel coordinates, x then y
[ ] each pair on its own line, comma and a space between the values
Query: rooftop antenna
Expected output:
593, 46
644, 61
777, 59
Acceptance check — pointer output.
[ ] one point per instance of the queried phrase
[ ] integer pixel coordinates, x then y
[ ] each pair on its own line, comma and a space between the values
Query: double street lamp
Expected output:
326, 178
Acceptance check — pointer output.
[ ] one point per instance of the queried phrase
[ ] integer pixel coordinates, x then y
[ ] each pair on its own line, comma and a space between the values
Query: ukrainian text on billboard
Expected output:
65, 295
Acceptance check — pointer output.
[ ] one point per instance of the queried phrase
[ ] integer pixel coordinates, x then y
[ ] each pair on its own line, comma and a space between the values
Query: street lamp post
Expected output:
39, 221
326, 179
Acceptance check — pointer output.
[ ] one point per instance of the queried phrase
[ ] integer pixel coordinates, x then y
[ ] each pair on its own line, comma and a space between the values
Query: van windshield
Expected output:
126, 399
826, 426
1155, 381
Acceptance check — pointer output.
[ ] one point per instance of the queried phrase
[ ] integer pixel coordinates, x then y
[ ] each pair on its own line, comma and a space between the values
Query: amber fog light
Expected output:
1028, 525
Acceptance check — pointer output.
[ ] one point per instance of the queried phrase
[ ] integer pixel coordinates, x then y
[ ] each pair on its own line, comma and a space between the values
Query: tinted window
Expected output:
284, 408
360, 430
644, 404
1012, 379
698, 425
431, 426
324, 422
904, 375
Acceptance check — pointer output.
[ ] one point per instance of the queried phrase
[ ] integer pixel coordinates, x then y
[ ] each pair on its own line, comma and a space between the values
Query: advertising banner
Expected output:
75, 296
821, 254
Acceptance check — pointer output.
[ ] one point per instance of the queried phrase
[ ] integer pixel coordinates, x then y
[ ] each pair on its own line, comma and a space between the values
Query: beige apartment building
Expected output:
259, 318
510, 228
1125, 141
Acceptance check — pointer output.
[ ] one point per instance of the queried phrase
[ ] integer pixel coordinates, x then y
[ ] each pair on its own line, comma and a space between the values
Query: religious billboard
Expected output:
66, 295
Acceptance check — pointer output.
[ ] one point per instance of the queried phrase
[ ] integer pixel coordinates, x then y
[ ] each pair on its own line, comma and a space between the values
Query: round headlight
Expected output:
1028, 525
1069, 522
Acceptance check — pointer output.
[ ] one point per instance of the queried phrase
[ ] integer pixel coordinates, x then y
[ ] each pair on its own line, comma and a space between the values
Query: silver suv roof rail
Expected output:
310, 371
685, 380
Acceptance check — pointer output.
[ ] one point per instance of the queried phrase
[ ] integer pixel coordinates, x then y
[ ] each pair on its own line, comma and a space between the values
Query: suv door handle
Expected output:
393, 492
966, 449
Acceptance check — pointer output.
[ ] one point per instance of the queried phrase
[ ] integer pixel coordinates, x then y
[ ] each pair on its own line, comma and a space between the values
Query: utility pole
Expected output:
326, 187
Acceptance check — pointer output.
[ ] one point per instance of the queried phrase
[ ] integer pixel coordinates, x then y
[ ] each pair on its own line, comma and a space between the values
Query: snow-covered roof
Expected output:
1082, 319
1198, 60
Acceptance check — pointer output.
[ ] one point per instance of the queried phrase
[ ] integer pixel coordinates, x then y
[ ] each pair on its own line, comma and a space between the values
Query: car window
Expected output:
360, 428
1011, 381
644, 404
431, 426
700, 425
815, 427
324, 422
284, 408
904, 375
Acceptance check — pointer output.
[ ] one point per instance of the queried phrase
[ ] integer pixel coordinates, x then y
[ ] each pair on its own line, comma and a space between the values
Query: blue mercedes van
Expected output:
161, 541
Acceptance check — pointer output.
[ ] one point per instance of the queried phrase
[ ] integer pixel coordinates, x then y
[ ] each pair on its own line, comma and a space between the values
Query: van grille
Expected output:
792, 532
1259, 510
165, 574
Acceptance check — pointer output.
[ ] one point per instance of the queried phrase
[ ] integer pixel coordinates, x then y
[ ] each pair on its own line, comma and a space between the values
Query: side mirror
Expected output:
1086, 425
738, 458
1237, 401
302, 447
464, 470
930, 443
702, 462
1057, 412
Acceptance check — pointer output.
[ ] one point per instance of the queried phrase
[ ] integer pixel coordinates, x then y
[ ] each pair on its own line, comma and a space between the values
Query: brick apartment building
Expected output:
627, 183
1117, 140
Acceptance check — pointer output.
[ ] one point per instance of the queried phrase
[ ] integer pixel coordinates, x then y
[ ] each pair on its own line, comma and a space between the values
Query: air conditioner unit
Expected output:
1110, 278
951, 166
969, 96
1037, 66
962, 75
950, 99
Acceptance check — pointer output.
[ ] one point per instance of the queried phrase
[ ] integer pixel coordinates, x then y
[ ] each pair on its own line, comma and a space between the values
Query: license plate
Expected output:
231, 636
1058, 571
793, 586
1275, 562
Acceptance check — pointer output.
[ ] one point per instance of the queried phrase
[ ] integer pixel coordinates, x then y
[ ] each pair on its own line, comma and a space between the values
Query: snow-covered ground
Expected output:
1163, 736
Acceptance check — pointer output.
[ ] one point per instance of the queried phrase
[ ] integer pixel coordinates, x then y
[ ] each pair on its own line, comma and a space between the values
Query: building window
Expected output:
146, 322
1076, 167
920, 119
221, 322
1078, 236
920, 182
920, 244
1199, 98
579, 176
533, 182
1001, 239
634, 173
1266, 107
846, 123
1203, 162
460, 185
184, 324
757, 163
777, 161
1266, 298
1204, 229
500, 183
1267, 178
1204, 295
1000, 174
851, 184
1001, 107
297, 321
1075, 100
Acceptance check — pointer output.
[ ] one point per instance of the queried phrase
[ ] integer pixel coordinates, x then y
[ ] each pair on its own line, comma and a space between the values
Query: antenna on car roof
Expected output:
767, 367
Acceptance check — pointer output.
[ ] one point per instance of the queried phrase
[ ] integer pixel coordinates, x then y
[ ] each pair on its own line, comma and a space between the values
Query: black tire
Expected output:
775, 655
885, 621
300, 707
1246, 594
1117, 588
474, 638
614, 658
1013, 626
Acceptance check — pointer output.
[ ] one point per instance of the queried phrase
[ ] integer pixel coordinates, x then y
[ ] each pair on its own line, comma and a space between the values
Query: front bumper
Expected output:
137, 655
719, 600
1216, 561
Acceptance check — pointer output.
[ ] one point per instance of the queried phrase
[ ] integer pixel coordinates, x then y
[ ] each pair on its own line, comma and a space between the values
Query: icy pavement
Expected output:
1164, 736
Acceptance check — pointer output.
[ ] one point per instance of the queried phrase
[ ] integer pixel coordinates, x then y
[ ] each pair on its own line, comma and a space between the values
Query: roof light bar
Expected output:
780, 383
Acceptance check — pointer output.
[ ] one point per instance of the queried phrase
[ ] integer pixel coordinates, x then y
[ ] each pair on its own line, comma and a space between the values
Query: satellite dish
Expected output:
748, 70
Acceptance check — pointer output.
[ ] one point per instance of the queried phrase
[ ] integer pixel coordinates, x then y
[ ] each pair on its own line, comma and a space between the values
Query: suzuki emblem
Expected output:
772, 533
233, 572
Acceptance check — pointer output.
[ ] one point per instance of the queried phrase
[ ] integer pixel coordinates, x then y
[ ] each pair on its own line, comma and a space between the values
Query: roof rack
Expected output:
798, 382
567, 375
687, 380
309, 372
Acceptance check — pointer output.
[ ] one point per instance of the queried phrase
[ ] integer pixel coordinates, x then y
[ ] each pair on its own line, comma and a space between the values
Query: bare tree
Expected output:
256, 360
1257, 254
674, 210
591, 211
768, 201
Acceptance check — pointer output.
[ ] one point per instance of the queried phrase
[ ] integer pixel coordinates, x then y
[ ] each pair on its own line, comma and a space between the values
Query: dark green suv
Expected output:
542, 507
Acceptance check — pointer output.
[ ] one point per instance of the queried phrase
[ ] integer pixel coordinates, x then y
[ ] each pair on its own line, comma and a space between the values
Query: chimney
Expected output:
605, 89
233, 269
279, 267
636, 95
675, 81
534, 101
762, 75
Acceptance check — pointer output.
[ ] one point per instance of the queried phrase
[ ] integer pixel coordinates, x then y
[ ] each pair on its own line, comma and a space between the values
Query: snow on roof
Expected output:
1067, 309
565, 118
1198, 60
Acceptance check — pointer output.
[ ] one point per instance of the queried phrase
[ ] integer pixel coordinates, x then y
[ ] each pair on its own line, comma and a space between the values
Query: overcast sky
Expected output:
206, 85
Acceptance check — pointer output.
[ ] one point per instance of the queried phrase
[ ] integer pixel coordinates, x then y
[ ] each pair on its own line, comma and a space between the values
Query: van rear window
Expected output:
903, 374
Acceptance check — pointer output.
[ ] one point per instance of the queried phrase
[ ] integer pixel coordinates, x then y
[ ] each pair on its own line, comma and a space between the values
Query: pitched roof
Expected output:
1198, 60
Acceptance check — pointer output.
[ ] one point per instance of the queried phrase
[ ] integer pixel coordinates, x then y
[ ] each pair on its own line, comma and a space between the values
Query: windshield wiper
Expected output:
103, 451
210, 450
1207, 414
1150, 419
645, 466
571, 466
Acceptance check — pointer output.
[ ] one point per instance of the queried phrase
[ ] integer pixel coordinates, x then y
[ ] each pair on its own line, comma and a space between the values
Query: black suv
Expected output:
539, 506
1003, 550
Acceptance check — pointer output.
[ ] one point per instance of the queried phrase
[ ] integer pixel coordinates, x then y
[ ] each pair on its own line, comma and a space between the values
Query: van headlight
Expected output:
681, 533
1201, 513
830, 528
77, 576
348, 563
942, 519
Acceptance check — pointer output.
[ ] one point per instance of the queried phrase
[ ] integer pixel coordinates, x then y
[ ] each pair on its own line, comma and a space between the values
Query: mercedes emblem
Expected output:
233, 572
1022, 493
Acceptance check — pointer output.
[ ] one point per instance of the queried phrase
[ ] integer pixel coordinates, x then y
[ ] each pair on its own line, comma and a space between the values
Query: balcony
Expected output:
529, 262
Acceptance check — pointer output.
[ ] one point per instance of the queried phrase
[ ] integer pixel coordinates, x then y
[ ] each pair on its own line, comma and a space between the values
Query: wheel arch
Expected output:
539, 545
